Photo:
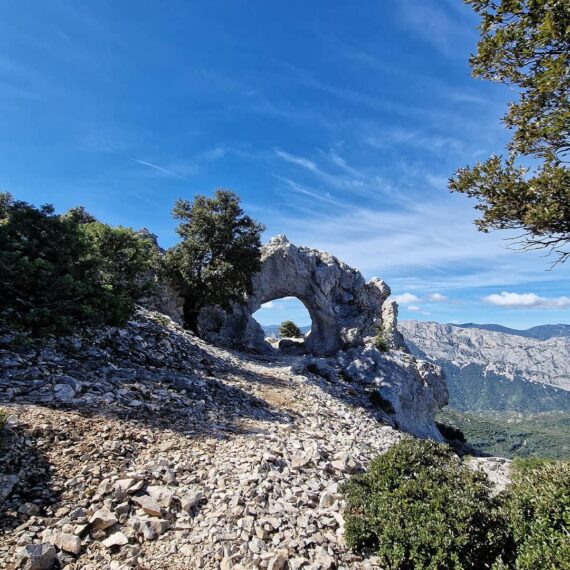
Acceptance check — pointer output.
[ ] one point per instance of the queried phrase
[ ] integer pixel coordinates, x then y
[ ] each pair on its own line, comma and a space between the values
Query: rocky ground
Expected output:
145, 447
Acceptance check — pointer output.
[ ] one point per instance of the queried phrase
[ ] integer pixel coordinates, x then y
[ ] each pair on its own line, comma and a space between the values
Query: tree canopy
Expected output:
288, 329
58, 272
218, 253
526, 45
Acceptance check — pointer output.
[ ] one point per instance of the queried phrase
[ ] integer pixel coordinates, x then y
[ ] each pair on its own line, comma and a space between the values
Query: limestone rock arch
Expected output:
344, 308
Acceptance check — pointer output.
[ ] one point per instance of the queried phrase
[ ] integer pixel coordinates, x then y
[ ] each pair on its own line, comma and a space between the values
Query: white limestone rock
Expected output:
343, 307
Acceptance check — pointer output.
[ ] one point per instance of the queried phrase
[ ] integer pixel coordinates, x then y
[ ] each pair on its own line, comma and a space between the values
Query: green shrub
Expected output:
380, 341
419, 507
537, 505
58, 272
218, 254
288, 329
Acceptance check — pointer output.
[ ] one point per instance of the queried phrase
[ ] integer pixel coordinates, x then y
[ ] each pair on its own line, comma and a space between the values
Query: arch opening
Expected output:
273, 313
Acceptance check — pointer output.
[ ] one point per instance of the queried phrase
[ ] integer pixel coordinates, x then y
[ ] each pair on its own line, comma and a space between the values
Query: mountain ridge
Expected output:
542, 332
490, 370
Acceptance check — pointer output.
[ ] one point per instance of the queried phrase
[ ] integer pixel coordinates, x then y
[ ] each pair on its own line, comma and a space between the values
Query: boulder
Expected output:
102, 519
409, 391
116, 539
37, 557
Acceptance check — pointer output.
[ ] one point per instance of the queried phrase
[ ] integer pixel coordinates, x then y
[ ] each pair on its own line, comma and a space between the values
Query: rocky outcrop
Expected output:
409, 392
345, 310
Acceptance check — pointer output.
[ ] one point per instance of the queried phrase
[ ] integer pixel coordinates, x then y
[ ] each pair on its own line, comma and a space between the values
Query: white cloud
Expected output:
298, 160
438, 298
268, 305
438, 26
413, 309
397, 233
527, 301
406, 298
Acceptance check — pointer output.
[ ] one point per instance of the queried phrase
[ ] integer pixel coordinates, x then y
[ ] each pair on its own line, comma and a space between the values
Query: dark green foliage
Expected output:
380, 341
526, 45
450, 432
378, 400
512, 435
537, 504
218, 254
419, 507
59, 272
124, 259
288, 329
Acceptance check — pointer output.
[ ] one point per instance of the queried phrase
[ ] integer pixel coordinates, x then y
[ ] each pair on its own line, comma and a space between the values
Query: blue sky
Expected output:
337, 122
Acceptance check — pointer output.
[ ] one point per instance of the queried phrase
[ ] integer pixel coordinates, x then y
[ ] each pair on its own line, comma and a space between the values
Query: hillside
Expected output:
490, 370
514, 435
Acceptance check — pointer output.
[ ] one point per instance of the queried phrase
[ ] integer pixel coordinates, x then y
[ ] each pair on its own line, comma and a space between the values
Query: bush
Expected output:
380, 341
218, 254
419, 507
58, 272
537, 505
288, 329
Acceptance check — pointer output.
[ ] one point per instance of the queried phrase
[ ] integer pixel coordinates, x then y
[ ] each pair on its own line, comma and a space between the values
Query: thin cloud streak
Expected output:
161, 169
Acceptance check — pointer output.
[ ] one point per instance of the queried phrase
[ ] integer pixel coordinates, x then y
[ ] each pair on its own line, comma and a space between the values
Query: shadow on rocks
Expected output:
26, 488
146, 373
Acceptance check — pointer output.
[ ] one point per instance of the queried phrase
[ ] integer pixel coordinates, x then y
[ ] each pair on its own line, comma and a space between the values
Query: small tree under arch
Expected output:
289, 329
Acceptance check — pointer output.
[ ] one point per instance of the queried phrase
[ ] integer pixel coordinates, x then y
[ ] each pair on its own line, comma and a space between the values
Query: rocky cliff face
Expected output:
504, 370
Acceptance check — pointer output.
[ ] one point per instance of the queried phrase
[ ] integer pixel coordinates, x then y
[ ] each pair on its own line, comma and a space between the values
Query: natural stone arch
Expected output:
344, 308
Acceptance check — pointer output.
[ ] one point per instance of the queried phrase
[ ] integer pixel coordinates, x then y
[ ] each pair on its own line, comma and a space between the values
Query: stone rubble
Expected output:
146, 447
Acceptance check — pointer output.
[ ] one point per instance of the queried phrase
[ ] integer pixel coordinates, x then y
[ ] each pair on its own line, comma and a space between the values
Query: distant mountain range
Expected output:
494, 368
542, 332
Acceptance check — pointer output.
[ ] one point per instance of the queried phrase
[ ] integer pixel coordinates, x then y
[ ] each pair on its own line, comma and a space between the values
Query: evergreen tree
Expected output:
60, 272
288, 329
526, 45
218, 254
